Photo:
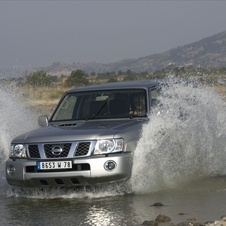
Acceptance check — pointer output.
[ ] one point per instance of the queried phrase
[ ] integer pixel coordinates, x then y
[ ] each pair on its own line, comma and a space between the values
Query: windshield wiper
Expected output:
93, 114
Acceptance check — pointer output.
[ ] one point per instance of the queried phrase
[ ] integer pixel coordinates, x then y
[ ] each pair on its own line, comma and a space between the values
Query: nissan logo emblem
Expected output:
57, 150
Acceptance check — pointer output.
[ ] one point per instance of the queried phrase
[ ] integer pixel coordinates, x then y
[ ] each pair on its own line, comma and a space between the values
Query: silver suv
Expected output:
88, 140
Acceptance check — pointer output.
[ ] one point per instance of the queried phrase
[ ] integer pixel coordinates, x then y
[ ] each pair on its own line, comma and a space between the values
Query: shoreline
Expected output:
164, 220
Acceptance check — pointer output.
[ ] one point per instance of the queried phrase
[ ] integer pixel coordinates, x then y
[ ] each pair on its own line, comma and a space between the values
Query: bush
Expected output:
77, 78
38, 79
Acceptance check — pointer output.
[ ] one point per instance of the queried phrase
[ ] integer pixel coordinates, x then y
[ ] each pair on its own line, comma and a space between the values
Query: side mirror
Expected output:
43, 120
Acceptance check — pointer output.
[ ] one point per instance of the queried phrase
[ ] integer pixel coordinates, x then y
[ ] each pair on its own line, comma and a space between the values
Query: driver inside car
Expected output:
139, 108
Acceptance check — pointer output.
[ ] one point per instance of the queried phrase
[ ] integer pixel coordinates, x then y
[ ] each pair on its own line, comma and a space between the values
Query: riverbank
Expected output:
163, 220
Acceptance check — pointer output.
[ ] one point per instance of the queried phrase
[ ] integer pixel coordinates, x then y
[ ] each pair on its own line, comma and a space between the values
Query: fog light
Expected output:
11, 170
110, 165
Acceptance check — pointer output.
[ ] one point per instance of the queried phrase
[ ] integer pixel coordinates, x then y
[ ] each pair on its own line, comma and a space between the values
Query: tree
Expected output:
77, 78
130, 77
112, 79
38, 79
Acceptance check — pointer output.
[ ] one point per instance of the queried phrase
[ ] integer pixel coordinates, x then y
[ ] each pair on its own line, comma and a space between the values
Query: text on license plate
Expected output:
54, 165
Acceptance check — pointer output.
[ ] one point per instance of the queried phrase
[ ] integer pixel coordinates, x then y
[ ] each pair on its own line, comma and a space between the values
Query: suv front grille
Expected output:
60, 150
50, 153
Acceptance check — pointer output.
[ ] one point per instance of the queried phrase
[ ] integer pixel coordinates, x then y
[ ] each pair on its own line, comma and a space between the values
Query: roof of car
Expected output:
118, 85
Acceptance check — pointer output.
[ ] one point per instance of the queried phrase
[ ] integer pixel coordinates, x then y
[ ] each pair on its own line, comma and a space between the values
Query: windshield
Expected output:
102, 105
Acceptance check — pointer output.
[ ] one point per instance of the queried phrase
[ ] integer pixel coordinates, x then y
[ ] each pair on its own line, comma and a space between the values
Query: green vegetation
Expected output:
43, 91
81, 78
77, 78
38, 79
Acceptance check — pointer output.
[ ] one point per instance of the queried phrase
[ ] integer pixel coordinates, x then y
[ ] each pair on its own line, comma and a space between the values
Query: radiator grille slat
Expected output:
33, 151
82, 149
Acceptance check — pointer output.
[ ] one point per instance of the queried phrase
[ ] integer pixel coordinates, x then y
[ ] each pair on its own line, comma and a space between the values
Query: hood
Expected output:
89, 130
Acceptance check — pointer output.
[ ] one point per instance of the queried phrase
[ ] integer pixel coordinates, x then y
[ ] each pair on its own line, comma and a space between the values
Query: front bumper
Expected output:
86, 171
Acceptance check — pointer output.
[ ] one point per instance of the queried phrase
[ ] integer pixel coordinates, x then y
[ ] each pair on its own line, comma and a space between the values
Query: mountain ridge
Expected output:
207, 52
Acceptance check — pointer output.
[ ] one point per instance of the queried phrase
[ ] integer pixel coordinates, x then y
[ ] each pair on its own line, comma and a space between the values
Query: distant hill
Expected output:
208, 52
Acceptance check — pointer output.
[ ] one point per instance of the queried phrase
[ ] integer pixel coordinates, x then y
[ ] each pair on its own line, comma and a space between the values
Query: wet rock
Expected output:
162, 218
209, 223
223, 220
197, 224
217, 223
150, 223
189, 223
191, 219
157, 204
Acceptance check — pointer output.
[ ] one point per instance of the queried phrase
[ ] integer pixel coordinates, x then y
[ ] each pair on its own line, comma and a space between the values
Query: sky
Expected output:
39, 33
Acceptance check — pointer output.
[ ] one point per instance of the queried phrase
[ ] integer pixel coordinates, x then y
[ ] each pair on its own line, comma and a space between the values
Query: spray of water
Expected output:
15, 119
184, 139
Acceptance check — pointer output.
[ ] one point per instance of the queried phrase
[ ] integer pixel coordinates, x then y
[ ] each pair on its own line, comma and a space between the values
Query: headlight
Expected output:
18, 151
109, 146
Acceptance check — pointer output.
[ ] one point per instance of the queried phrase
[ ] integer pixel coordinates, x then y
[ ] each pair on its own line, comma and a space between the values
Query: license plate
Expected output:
54, 165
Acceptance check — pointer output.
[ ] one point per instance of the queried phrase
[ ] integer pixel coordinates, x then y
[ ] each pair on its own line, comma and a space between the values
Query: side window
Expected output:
154, 97
138, 103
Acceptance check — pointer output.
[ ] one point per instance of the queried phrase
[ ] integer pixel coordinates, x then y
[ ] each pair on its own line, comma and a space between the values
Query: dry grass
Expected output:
42, 99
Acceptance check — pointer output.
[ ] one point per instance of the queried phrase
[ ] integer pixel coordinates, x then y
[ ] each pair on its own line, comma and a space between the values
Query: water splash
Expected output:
15, 119
91, 192
184, 139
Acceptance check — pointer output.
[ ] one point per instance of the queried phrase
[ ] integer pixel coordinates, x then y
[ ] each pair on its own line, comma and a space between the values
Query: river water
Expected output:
179, 161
